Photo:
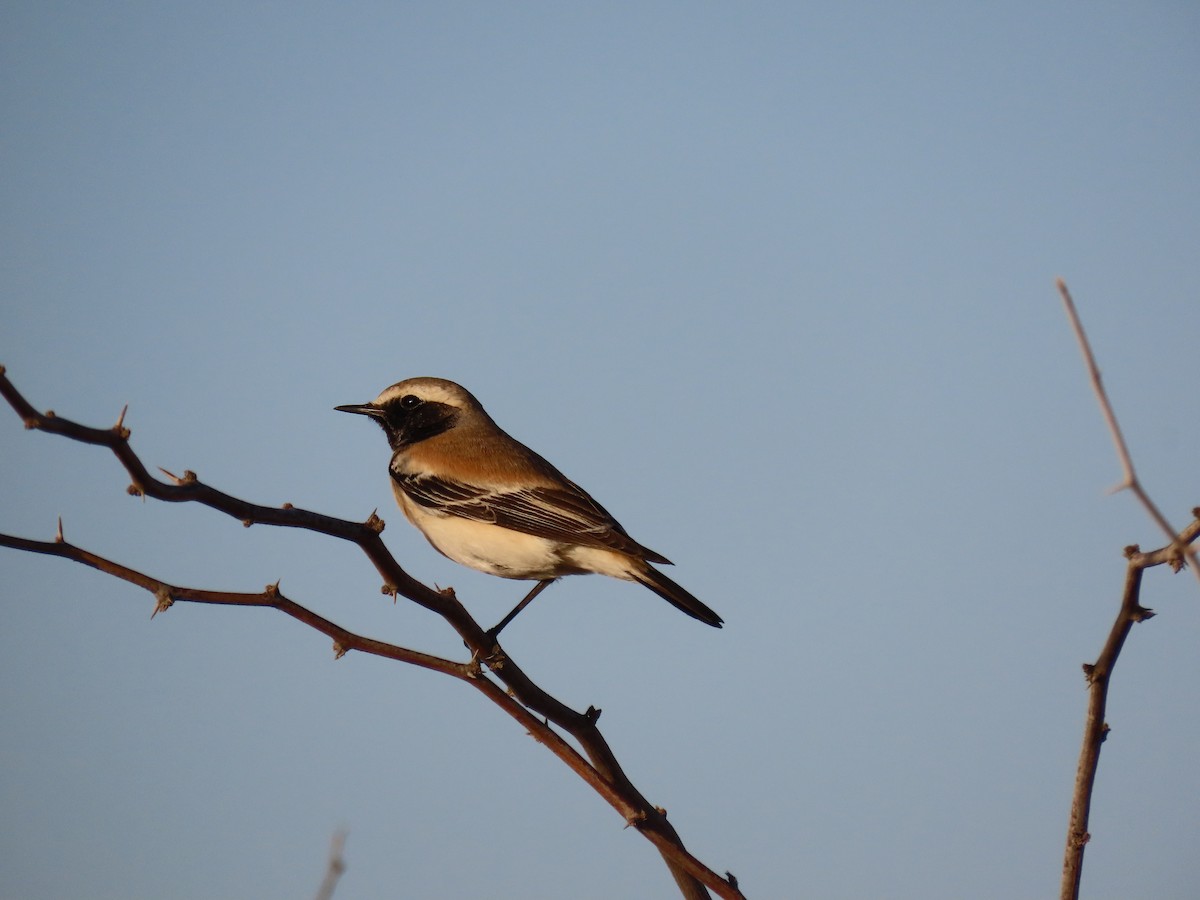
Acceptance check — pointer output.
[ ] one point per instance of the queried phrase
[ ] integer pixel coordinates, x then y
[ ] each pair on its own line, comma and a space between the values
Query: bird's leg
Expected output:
495, 630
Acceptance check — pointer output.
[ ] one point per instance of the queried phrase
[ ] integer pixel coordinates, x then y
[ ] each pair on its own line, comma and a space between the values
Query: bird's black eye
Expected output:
410, 401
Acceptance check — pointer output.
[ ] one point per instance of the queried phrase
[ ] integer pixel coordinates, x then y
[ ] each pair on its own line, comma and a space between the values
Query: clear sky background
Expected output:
774, 281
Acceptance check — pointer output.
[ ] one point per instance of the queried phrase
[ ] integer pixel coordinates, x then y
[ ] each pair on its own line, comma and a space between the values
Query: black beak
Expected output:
362, 409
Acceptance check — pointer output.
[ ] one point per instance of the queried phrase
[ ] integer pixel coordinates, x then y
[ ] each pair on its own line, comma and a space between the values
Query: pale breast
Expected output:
488, 548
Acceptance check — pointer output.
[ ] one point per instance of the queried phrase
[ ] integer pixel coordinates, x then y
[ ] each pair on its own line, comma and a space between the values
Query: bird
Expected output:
488, 502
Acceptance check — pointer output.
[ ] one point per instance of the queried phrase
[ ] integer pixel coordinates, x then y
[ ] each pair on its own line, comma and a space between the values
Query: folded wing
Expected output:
565, 514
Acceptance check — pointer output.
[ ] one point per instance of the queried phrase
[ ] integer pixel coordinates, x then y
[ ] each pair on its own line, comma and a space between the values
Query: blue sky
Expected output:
773, 281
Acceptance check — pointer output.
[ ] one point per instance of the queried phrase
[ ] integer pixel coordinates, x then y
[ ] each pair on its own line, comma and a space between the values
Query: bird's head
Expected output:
417, 409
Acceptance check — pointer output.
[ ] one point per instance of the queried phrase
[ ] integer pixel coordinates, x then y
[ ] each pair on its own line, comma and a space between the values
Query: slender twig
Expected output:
337, 865
520, 697
1130, 479
165, 595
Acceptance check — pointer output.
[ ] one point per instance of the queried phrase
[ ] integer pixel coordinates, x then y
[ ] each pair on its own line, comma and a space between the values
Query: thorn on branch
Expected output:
495, 662
119, 429
272, 591
731, 880
188, 477
1141, 614
1104, 730
375, 523
135, 490
162, 600
338, 650
636, 819
58, 537
389, 590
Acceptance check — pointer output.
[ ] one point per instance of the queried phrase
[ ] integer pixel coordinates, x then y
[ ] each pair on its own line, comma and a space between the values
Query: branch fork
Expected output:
516, 693
1176, 554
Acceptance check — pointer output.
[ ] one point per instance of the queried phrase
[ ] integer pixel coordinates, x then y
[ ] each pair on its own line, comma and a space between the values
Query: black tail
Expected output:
677, 596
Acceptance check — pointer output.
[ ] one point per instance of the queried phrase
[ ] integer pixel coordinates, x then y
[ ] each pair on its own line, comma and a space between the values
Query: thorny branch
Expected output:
515, 693
1099, 674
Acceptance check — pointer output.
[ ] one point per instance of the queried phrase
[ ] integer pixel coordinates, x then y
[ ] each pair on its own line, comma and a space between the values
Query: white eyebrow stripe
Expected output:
427, 390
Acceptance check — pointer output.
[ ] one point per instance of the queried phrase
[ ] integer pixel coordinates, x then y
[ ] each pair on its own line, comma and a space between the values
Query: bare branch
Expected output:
1130, 479
1098, 676
1131, 612
531, 706
166, 594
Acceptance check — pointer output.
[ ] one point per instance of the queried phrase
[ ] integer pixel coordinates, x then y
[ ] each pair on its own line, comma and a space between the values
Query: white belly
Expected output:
512, 554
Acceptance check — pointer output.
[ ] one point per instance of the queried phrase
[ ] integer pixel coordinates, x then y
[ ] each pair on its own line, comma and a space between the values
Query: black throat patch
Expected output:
405, 427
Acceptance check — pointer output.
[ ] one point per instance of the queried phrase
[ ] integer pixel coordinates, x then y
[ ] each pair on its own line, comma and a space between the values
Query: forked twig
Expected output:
1099, 673
1130, 479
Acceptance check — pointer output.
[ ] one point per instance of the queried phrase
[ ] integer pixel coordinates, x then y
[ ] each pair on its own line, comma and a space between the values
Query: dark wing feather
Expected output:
564, 514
